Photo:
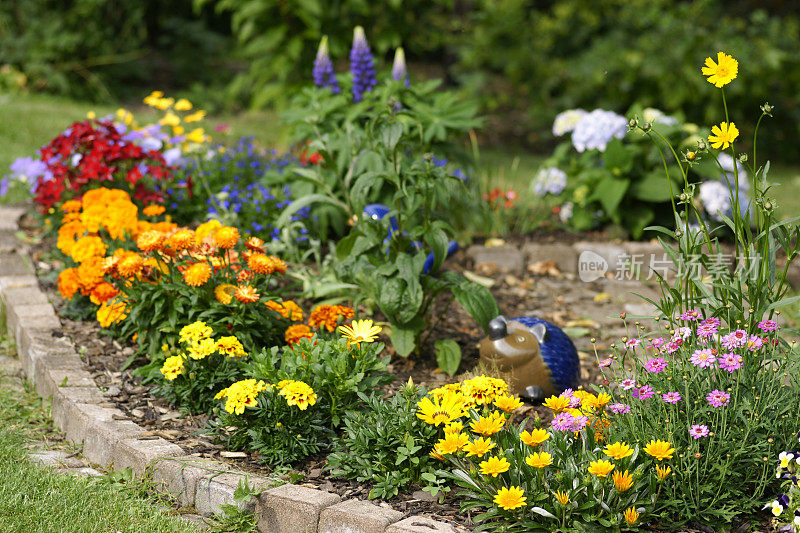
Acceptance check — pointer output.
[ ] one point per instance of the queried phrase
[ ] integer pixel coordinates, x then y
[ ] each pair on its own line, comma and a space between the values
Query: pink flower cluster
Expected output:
568, 422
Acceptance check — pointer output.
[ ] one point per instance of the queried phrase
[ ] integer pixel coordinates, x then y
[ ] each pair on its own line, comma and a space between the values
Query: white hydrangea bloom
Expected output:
565, 122
549, 180
596, 129
566, 212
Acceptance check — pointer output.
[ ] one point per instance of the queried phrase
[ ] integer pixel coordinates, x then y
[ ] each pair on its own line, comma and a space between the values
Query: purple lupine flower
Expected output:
323, 73
399, 70
362, 65
4, 186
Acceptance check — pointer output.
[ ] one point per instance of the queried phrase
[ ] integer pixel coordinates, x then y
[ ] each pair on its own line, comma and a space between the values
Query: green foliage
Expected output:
448, 355
193, 391
232, 519
338, 373
384, 442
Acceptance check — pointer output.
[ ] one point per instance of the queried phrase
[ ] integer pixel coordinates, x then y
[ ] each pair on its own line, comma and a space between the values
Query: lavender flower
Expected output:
399, 70
323, 73
596, 129
362, 65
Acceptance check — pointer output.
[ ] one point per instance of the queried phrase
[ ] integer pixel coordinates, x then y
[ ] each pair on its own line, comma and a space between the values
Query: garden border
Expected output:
108, 436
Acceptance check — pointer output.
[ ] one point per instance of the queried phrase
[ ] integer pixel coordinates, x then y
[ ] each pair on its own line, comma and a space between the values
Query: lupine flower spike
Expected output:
399, 70
323, 73
362, 65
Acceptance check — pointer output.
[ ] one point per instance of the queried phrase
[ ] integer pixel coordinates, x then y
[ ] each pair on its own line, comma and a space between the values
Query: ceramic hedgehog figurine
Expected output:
540, 357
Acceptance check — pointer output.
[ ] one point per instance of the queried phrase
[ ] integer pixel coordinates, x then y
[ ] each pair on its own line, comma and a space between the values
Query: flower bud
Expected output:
646, 127
691, 156
743, 158
767, 109
701, 145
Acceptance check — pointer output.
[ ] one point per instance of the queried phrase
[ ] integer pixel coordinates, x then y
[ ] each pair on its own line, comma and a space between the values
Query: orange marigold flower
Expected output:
298, 331
153, 210
327, 316
206, 229
224, 293
150, 241
244, 275
246, 294
130, 265
103, 292
226, 237
278, 264
111, 313
287, 309
68, 283
90, 273
71, 206
183, 239
197, 274
261, 263
255, 244
86, 247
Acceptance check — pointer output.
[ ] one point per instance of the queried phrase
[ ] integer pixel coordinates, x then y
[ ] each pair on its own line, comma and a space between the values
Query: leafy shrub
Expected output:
280, 423
385, 443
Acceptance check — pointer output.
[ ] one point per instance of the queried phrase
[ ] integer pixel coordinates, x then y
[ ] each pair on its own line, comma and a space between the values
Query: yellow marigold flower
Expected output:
173, 367
631, 515
291, 310
68, 283
488, 425
453, 427
452, 443
479, 447
299, 331
129, 265
170, 119
205, 229
494, 466
510, 498
535, 437
662, 472
201, 349
327, 316
226, 237
618, 450
659, 449
441, 411
152, 98
508, 403
194, 332
86, 247
183, 239
246, 294
299, 394
723, 135
224, 293
197, 135
600, 468
195, 117
91, 115
723, 71
111, 312
183, 105
539, 460
557, 403
622, 480
260, 263
150, 241
231, 346
177, 130
562, 497
360, 331
197, 274
241, 394
153, 210
255, 244
483, 390
103, 292
71, 206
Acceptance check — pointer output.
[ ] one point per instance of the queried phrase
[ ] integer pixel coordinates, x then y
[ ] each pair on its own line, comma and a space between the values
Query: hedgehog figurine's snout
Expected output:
539, 357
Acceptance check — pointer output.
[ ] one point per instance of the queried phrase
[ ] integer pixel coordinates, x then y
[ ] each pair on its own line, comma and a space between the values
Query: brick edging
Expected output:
110, 439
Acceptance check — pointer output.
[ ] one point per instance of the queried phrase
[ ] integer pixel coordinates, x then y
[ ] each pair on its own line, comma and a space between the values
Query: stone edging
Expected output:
110, 439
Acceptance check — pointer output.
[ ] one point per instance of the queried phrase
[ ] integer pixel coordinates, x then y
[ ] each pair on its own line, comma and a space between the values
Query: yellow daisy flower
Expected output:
723, 135
723, 71
510, 498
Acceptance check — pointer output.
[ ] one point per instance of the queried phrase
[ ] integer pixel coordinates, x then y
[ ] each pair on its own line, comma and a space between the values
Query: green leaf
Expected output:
403, 340
610, 192
618, 158
448, 355
309, 199
475, 299
390, 135
653, 187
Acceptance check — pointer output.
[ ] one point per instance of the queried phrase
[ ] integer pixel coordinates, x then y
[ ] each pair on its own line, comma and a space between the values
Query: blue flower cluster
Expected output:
362, 65
593, 131
323, 73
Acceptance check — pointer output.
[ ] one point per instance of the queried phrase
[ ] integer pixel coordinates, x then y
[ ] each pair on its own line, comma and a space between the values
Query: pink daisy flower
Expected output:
672, 397
703, 358
768, 325
632, 343
734, 339
604, 363
674, 346
644, 393
754, 343
563, 422
730, 362
656, 343
620, 408
706, 329
627, 384
682, 333
659, 364
698, 430
692, 315
718, 398
711, 321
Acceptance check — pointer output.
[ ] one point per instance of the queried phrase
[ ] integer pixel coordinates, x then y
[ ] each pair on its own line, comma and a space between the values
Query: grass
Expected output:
35, 499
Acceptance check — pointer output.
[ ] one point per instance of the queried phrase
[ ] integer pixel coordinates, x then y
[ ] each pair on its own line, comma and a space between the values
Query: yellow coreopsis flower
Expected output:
442, 410
452, 443
197, 135
662, 472
562, 497
183, 105
195, 117
557, 403
153, 98
659, 449
723, 135
631, 515
539, 460
170, 119
535, 437
622, 480
508, 403
723, 71
360, 331
510, 498
488, 425
601, 467
494, 466
618, 450
479, 447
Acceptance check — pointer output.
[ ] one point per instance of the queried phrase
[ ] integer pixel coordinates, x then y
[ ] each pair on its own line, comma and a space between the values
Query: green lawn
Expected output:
34, 499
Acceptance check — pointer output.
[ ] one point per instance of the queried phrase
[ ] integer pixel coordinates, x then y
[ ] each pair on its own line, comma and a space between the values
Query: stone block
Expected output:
356, 515
506, 259
74, 418
14, 265
9, 217
138, 454
9, 242
179, 476
34, 344
13, 296
17, 280
292, 508
62, 370
564, 255
19, 316
598, 260
102, 437
217, 489
56, 458
420, 524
